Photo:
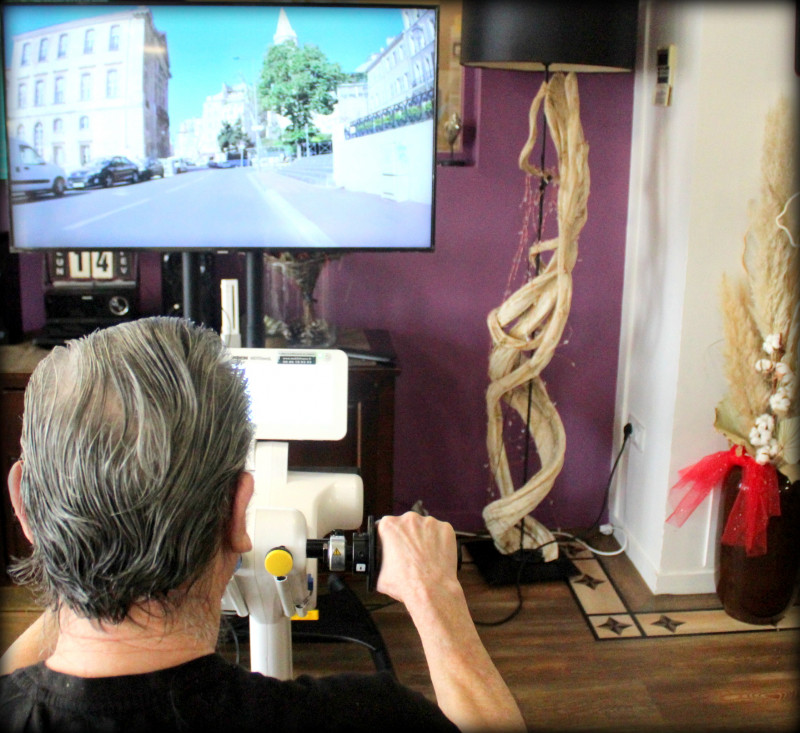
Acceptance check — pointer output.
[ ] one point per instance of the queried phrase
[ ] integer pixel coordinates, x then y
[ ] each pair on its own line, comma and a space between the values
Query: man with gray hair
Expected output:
133, 492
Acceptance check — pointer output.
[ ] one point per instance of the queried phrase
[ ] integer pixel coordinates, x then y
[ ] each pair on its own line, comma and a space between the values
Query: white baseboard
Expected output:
660, 582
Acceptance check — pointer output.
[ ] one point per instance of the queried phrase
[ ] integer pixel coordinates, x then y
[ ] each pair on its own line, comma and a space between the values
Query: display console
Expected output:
220, 127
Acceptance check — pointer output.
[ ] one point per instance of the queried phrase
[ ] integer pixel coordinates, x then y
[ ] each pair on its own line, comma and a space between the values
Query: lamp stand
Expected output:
527, 327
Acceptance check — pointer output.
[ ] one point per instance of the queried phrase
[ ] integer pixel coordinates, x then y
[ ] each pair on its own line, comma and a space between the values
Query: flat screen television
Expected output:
220, 127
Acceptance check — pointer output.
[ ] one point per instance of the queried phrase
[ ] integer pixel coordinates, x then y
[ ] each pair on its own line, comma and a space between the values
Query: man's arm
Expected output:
33, 645
419, 569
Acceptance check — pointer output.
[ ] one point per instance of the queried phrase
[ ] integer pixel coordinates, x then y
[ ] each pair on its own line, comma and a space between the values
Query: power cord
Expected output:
606, 529
627, 431
595, 550
523, 557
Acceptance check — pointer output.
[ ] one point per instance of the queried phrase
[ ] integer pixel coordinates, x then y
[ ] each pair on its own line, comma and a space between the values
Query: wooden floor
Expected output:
565, 680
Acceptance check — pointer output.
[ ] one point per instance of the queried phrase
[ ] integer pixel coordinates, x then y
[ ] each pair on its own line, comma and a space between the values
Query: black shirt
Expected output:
211, 694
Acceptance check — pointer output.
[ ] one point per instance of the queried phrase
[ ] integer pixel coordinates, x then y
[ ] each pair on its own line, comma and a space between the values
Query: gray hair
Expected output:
133, 440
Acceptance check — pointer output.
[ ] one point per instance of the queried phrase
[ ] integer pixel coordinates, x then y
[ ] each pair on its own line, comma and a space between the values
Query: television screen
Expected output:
220, 127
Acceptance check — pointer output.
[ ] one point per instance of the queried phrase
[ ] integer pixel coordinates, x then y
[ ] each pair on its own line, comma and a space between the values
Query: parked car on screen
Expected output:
30, 175
233, 160
150, 168
105, 172
175, 165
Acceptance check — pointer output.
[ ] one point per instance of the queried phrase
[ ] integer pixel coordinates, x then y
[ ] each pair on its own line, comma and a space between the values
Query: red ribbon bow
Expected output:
758, 498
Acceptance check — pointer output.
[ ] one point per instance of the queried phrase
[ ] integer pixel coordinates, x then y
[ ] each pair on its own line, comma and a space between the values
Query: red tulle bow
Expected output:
758, 498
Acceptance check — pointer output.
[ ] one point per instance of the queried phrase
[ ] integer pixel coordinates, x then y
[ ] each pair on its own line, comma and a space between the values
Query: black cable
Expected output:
379, 606
537, 263
626, 433
525, 555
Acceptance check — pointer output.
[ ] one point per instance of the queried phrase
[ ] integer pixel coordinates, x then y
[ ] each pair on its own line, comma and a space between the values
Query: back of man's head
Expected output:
133, 439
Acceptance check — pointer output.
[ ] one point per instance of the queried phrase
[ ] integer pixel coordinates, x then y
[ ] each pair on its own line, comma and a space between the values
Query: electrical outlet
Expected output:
637, 433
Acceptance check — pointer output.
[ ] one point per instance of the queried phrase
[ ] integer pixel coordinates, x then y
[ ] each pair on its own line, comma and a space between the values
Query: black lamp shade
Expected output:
562, 36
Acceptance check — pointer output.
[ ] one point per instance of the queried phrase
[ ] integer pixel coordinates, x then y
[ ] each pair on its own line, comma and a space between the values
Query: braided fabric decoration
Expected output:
527, 327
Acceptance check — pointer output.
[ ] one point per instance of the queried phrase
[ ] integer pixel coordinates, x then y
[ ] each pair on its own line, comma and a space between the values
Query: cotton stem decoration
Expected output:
758, 415
760, 312
527, 327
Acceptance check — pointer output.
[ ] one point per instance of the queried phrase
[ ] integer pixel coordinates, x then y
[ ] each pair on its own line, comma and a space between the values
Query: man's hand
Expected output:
419, 568
418, 553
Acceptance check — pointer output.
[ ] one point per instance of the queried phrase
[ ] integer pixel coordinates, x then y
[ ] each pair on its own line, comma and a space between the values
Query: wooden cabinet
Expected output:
367, 447
16, 365
369, 443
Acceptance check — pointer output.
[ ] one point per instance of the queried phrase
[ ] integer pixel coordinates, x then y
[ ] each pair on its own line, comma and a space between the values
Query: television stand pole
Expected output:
190, 271
254, 318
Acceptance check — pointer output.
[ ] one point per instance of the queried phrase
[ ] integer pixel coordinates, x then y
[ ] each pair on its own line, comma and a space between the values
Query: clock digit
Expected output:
80, 265
102, 265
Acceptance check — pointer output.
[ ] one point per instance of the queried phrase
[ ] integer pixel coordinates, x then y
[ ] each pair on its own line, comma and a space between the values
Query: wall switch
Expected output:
637, 433
665, 75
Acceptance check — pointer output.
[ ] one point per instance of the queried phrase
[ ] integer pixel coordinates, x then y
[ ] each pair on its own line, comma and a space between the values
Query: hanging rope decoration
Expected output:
527, 327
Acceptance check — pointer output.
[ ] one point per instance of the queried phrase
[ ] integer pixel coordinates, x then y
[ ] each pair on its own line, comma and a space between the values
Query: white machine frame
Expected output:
296, 394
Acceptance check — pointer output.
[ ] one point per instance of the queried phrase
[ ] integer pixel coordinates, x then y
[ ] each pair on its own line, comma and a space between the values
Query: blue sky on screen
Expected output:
212, 45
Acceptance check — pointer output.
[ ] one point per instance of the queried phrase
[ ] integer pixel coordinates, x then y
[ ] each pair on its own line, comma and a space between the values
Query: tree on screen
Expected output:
231, 135
299, 83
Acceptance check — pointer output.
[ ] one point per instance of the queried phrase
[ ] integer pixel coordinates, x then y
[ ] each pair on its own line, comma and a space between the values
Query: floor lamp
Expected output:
559, 39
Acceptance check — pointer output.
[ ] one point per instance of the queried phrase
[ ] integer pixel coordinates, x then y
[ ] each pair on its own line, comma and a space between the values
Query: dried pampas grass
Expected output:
748, 392
771, 263
760, 311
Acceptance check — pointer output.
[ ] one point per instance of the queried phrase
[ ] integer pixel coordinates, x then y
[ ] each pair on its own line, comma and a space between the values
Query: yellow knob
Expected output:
278, 562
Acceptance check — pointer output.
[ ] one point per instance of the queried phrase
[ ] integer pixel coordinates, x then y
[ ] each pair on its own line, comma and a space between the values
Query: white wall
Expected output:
379, 163
695, 165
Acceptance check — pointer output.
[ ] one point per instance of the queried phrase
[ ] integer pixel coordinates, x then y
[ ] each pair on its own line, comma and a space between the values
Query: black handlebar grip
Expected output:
375, 554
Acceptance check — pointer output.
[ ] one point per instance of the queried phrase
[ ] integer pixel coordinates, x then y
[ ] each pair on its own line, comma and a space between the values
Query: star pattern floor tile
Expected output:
609, 617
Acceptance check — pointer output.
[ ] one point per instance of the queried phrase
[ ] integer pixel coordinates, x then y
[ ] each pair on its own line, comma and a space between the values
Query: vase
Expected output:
296, 303
759, 589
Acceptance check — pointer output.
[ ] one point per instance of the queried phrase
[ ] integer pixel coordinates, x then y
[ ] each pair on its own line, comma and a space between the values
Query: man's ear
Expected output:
239, 539
14, 481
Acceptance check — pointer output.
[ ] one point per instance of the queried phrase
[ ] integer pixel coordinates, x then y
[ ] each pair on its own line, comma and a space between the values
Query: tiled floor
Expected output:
610, 617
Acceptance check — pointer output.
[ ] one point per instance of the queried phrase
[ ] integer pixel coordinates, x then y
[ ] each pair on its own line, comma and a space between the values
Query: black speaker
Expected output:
75, 312
11, 313
112, 305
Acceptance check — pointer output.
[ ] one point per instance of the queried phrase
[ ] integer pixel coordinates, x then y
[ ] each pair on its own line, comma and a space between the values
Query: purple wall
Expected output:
435, 306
